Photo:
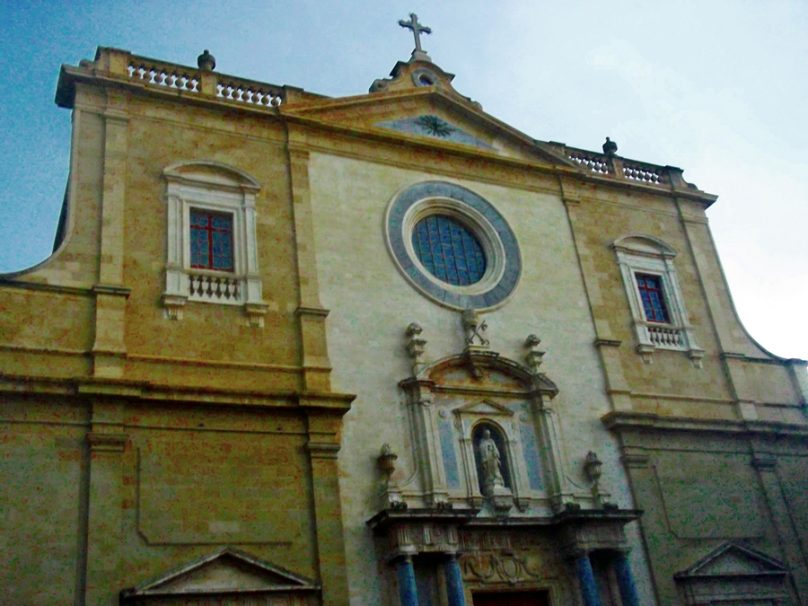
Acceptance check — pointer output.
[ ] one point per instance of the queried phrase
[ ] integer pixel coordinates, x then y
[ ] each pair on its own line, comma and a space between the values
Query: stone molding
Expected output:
106, 442
622, 421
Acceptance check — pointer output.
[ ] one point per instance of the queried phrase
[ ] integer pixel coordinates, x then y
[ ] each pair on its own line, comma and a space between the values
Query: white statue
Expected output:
490, 464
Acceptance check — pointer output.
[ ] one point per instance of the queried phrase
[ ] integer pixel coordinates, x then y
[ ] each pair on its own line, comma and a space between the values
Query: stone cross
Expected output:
416, 28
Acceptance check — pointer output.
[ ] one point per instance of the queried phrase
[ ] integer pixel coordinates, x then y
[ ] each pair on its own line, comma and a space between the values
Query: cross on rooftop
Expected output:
416, 28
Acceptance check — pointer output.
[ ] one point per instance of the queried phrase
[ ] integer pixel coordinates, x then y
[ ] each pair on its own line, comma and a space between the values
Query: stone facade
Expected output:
306, 424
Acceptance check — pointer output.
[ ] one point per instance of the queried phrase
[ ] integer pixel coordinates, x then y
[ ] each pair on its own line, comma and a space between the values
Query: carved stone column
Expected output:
586, 580
407, 589
625, 580
454, 582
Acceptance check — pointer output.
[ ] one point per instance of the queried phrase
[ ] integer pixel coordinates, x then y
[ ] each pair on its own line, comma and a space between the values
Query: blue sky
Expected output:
715, 87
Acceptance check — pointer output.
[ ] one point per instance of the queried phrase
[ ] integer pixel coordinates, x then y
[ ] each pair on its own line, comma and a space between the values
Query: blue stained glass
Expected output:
448, 250
221, 222
211, 240
652, 297
199, 248
222, 251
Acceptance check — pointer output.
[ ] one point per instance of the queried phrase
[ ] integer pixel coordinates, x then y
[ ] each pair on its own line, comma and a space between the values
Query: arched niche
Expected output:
491, 455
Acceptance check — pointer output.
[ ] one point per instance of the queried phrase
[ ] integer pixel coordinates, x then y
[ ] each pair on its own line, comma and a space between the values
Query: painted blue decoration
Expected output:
407, 590
586, 579
531, 452
625, 580
448, 250
454, 582
448, 450
433, 126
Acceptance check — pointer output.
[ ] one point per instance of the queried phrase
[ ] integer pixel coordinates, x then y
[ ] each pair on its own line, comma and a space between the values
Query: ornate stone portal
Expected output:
491, 500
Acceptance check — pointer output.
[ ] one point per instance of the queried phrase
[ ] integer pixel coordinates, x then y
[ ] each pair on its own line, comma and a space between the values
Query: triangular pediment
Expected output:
227, 571
430, 125
732, 559
484, 408
428, 116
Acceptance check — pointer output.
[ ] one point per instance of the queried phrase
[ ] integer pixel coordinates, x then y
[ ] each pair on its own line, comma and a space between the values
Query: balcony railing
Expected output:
617, 167
182, 79
204, 286
665, 336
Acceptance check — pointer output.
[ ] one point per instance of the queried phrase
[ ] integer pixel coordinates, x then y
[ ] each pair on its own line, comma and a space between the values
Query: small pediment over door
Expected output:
228, 573
484, 408
734, 573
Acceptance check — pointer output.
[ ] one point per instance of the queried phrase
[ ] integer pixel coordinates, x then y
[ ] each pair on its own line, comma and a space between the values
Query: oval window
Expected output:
449, 250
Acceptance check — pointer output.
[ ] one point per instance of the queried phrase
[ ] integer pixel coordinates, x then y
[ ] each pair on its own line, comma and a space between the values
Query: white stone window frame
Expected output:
641, 254
212, 187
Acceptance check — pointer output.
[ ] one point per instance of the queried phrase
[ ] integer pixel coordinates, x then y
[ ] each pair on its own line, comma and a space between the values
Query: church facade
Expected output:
380, 350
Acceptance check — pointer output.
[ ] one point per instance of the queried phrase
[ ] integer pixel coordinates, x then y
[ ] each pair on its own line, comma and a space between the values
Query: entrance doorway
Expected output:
512, 598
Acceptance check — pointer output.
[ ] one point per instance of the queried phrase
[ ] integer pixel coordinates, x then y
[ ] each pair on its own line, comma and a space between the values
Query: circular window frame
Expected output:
419, 74
503, 261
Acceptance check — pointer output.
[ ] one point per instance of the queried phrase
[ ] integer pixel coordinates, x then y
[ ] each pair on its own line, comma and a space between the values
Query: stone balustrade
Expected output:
204, 286
244, 91
645, 173
594, 162
183, 79
616, 167
664, 336
166, 75
240, 91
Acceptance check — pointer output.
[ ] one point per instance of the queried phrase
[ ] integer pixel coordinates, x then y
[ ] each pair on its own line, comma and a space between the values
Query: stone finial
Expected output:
391, 494
593, 470
592, 467
387, 460
206, 61
474, 328
609, 147
416, 346
533, 357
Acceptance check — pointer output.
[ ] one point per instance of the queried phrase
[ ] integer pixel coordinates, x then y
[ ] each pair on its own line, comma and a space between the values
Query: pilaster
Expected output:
560, 490
608, 348
782, 521
323, 447
310, 313
106, 441
109, 347
428, 449
616, 384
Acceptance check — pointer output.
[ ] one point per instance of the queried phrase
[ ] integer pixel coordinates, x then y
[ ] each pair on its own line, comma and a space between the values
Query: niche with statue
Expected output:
491, 457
